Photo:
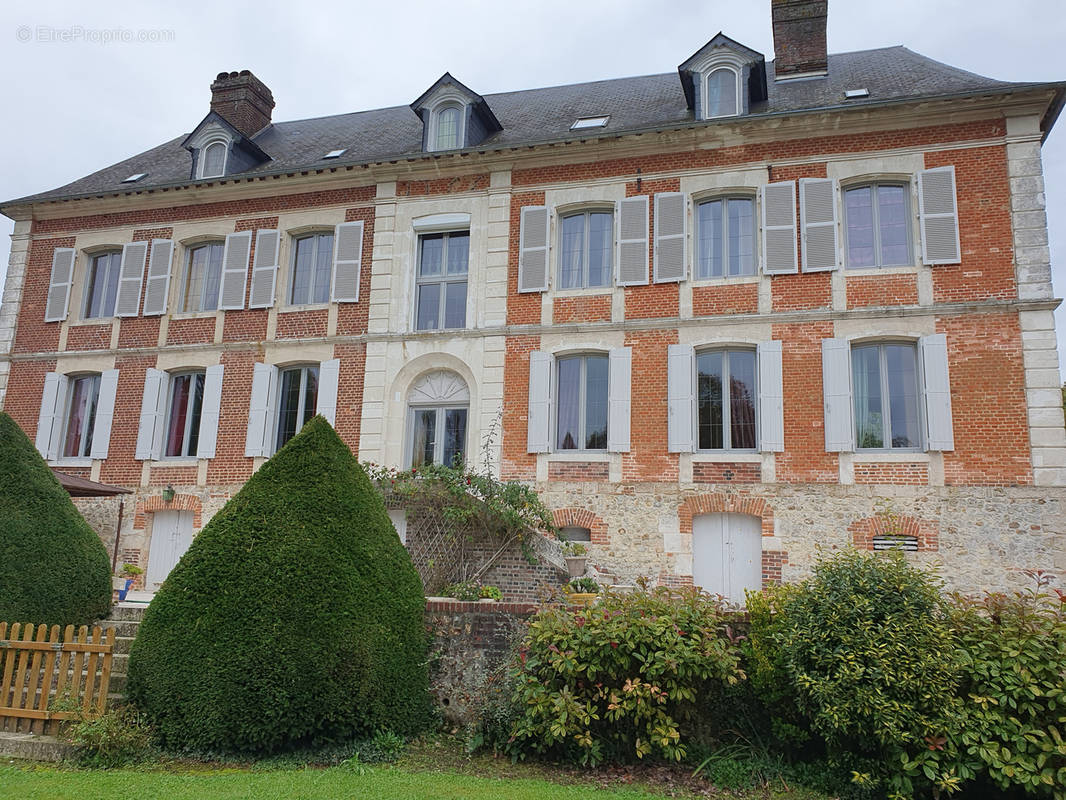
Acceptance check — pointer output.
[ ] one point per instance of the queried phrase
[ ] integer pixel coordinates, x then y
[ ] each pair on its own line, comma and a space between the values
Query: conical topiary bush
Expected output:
295, 617
53, 567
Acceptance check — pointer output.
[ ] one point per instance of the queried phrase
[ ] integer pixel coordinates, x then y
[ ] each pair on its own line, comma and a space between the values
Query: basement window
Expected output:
582, 123
906, 543
134, 177
336, 153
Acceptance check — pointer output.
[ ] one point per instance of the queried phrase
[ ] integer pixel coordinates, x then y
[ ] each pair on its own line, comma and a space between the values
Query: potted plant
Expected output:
575, 555
582, 591
490, 594
125, 578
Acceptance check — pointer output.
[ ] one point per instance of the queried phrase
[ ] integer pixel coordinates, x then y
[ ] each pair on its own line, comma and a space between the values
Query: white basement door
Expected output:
171, 537
727, 554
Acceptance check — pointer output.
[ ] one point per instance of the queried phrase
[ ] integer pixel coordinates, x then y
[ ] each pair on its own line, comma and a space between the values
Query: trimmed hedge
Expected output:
53, 567
295, 618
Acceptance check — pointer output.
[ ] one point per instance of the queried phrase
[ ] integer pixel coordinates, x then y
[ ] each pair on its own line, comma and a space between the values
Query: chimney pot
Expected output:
799, 36
242, 100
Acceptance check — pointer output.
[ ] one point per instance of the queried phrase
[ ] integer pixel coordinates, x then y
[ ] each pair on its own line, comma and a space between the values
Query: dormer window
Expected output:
448, 130
722, 93
213, 160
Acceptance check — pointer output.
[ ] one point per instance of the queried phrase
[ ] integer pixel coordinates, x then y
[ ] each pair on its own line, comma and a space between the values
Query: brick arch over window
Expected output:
718, 503
181, 502
582, 518
926, 531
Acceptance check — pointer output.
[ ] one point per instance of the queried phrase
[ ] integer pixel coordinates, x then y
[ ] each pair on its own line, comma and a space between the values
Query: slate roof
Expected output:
536, 116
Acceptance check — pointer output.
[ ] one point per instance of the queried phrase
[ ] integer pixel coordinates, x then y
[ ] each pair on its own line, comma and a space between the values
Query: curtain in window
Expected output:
742, 400
179, 408
596, 388
569, 412
425, 436
454, 436
323, 267
601, 232
901, 367
858, 210
866, 384
709, 401
721, 93
571, 263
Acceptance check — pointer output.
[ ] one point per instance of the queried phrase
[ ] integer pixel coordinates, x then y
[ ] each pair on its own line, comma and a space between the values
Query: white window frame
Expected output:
438, 446
294, 242
725, 198
301, 406
88, 424
886, 419
705, 88
432, 142
90, 268
726, 405
443, 279
188, 417
201, 160
582, 402
189, 249
586, 212
873, 184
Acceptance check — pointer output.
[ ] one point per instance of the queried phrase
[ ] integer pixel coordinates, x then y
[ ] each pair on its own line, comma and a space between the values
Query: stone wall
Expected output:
470, 643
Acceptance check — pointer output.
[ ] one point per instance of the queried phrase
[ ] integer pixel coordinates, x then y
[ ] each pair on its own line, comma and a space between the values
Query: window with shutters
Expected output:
438, 408
441, 280
297, 400
83, 393
722, 93
885, 389
102, 286
213, 159
725, 237
586, 249
877, 225
581, 402
203, 277
726, 400
185, 407
312, 269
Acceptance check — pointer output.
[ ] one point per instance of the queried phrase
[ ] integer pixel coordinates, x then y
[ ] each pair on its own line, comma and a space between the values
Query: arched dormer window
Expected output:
213, 159
722, 93
448, 127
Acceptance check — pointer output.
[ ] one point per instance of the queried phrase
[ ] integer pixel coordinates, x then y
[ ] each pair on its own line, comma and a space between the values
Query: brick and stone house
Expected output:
855, 245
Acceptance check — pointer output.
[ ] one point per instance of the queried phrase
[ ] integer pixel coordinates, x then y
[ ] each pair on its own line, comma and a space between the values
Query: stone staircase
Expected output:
124, 618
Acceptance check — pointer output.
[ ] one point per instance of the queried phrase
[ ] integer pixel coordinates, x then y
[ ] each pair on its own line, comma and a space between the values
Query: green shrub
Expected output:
1013, 717
462, 590
621, 679
864, 650
583, 585
53, 567
115, 738
295, 617
489, 592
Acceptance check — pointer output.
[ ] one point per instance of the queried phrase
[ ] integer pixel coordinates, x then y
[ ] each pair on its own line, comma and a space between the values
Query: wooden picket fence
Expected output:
44, 677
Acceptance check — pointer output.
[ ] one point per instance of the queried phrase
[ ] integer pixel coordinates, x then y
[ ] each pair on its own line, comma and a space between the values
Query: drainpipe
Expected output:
118, 533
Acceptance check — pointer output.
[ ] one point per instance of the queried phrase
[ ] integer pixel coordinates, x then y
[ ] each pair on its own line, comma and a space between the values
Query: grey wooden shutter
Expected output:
771, 398
153, 411
59, 284
619, 387
328, 383
836, 390
210, 412
348, 249
105, 413
670, 230
261, 410
778, 201
939, 216
130, 277
157, 286
632, 259
533, 249
538, 436
940, 433
818, 220
681, 398
235, 270
50, 421
264, 269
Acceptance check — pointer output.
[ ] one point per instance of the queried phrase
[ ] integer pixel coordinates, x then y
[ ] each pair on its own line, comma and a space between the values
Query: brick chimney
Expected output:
242, 100
799, 36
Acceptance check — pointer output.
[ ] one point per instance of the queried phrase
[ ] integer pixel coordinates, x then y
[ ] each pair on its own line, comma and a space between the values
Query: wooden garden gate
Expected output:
46, 679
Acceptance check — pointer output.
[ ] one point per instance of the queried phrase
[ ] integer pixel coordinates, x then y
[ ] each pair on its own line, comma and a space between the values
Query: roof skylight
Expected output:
581, 123
336, 153
134, 177
855, 94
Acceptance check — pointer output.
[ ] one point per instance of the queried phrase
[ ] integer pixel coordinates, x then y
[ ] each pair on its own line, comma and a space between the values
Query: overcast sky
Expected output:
77, 100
